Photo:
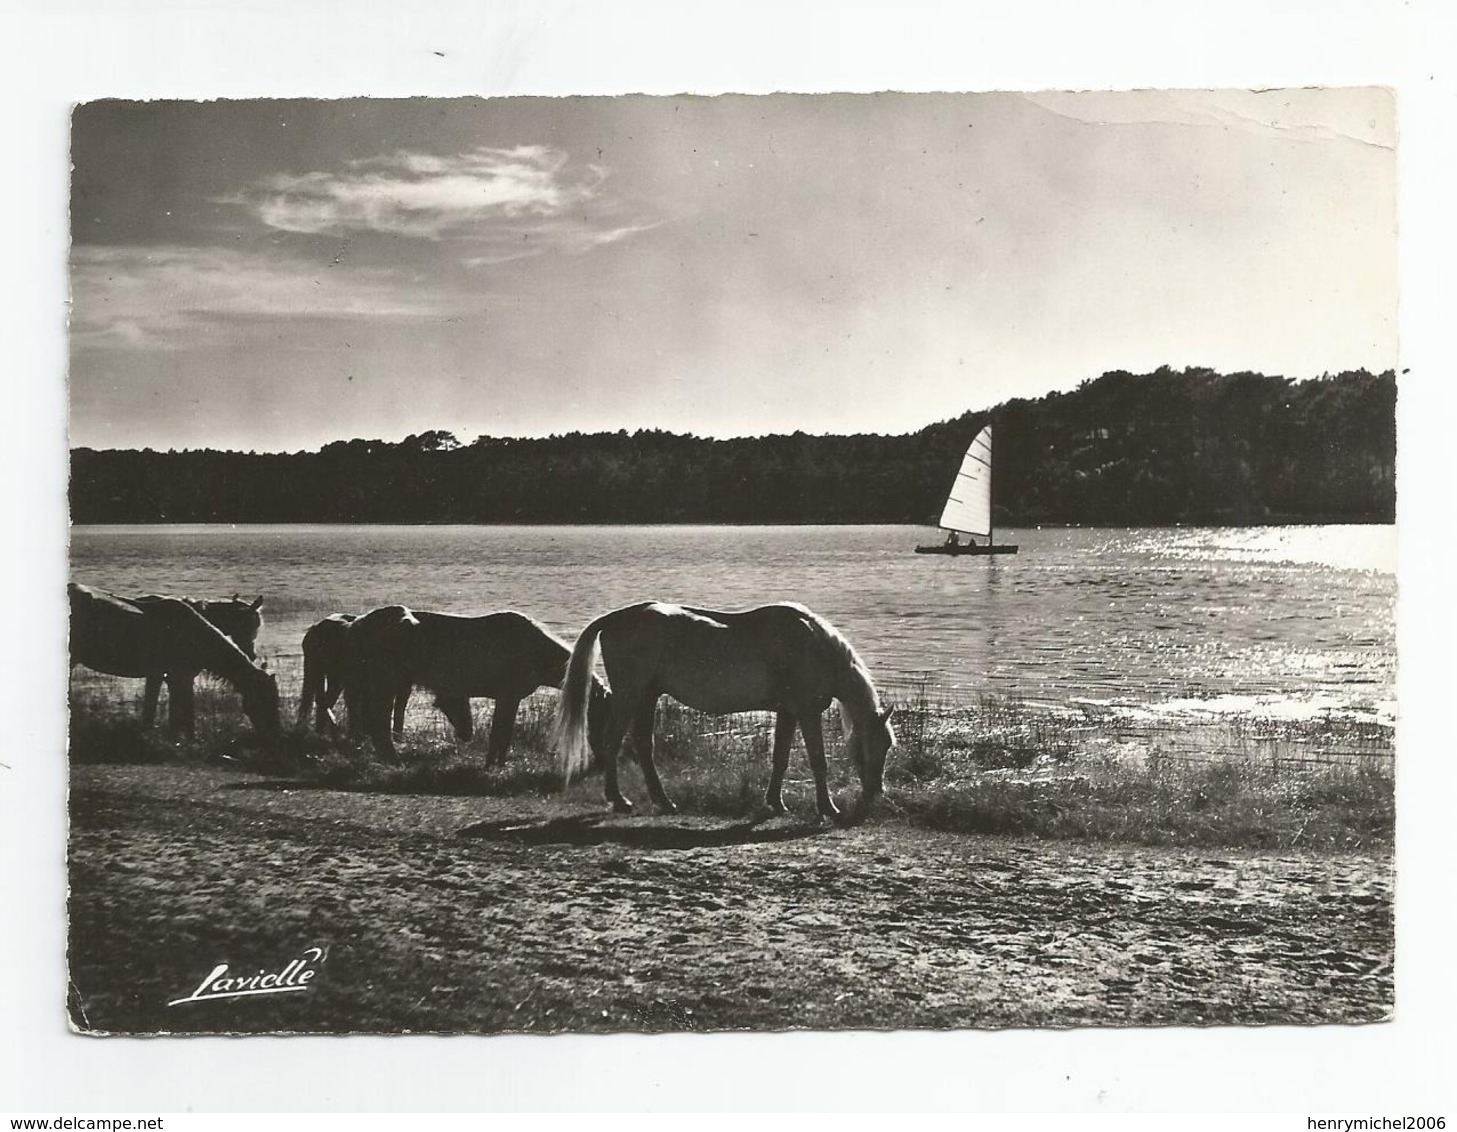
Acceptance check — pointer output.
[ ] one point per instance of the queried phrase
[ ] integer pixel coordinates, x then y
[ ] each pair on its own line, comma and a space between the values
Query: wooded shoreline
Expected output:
1189, 447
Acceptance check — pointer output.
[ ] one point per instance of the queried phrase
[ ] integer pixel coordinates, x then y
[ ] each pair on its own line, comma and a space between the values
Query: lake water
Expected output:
1280, 622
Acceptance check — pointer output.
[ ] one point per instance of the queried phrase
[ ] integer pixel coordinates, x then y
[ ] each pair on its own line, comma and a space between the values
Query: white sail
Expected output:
969, 506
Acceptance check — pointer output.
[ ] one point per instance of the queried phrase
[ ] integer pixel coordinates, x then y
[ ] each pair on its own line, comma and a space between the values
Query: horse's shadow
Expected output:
640, 833
678, 831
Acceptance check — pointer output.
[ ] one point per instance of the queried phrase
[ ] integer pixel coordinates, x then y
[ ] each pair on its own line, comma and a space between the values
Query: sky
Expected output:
275, 275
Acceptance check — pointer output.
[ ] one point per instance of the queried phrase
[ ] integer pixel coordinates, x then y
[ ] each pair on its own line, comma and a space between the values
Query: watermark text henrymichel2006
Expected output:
293, 977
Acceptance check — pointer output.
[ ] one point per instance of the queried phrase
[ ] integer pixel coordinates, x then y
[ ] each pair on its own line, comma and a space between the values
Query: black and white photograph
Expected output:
673, 564
862, 561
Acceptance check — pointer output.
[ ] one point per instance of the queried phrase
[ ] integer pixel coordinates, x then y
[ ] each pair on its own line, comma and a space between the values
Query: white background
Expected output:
57, 52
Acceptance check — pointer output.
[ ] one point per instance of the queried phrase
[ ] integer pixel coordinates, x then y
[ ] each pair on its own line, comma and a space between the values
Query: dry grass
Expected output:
1224, 802
997, 767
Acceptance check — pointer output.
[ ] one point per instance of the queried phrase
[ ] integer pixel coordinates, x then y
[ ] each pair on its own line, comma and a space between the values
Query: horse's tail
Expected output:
313, 681
569, 729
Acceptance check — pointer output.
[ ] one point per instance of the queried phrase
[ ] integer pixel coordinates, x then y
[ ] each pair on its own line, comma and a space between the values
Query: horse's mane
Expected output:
856, 671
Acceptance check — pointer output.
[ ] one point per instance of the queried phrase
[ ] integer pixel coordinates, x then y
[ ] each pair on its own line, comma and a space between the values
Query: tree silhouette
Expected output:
1123, 449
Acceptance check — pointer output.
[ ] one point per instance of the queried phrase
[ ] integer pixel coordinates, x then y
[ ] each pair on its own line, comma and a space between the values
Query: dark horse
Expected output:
779, 658
504, 656
236, 619
326, 659
168, 639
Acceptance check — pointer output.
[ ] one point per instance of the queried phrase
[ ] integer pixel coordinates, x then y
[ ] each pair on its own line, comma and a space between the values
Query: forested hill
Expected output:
1192, 447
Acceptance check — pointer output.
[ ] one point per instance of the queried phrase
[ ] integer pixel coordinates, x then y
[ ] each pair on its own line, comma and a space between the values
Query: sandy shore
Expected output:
475, 914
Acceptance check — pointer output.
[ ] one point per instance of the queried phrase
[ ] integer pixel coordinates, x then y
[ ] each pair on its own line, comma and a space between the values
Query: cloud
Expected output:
567, 236
510, 202
171, 296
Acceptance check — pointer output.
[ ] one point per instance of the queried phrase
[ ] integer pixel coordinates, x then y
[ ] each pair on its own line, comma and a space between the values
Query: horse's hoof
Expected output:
776, 805
621, 806
829, 811
667, 807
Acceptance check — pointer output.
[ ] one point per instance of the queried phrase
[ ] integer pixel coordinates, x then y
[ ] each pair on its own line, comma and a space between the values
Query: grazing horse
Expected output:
779, 658
326, 658
166, 638
503, 656
237, 620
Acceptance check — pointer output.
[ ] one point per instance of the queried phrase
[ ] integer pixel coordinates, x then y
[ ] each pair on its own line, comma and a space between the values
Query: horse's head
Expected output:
260, 704
869, 744
238, 620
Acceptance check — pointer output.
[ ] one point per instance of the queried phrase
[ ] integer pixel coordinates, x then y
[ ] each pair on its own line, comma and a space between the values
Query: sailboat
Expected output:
968, 509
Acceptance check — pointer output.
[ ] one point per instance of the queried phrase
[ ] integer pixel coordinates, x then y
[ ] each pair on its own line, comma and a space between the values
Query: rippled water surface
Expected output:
1279, 621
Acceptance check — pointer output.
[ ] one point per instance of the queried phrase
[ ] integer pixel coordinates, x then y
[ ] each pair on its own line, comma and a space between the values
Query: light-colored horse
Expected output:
236, 619
779, 658
326, 662
503, 656
166, 638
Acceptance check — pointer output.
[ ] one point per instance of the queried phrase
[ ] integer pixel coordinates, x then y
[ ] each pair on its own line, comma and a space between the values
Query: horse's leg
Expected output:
324, 700
309, 694
503, 725
457, 710
642, 744
402, 701
374, 700
149, 701
181, 707
783, 739
379, 734
598, 709
814, 744
612, 742
354, 705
